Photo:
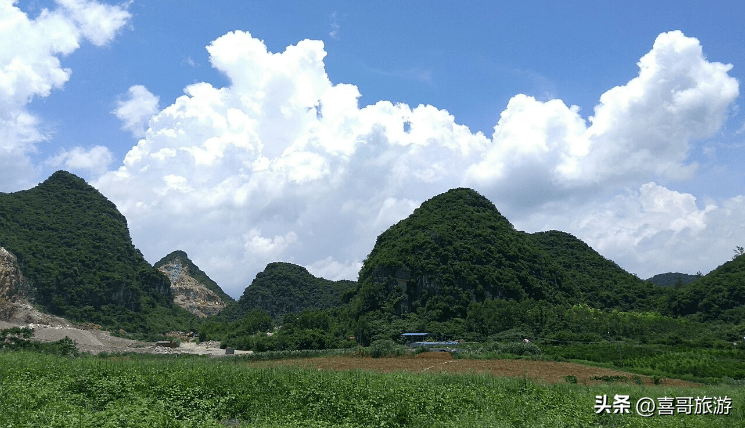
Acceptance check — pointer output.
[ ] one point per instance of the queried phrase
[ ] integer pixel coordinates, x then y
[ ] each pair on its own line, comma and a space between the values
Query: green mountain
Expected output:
454, 249
283, 288
670, 279
719, 295
74, 246
601, 282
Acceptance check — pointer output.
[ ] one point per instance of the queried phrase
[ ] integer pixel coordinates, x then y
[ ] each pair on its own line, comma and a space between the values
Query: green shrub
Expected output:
386, 348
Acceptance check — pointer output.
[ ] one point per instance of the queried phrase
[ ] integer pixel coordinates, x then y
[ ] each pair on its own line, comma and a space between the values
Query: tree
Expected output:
738, 252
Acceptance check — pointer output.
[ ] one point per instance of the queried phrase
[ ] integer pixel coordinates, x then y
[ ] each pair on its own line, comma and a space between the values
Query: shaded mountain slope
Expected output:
74, 247
720, 294
602, 283
456, 248
283, 288
670, 279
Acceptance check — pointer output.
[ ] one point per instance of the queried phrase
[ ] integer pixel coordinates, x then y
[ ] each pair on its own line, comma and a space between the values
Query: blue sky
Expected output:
618, 122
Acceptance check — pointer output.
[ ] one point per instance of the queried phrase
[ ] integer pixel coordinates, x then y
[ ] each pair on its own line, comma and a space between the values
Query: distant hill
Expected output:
601, 282
74, 247
283, 288
192, 289
669, 279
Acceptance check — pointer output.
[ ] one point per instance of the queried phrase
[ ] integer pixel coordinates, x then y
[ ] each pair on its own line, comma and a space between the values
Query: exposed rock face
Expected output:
12, 283
14, 292
189, 293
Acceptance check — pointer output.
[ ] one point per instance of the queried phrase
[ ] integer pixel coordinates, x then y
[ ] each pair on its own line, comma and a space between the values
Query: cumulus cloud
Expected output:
95, 160
136, 109
652, 229
640, 131
283, 164
30, 68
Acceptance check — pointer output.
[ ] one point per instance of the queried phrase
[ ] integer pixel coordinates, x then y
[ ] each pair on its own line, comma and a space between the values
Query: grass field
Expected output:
139, 391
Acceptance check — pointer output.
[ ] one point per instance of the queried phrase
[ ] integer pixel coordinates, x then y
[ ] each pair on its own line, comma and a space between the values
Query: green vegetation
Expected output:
386, 348
720, 295
54, 391
74, 247
601, 282
17, 339
673, 279
306, 330
285, 288
455, 268
695, 364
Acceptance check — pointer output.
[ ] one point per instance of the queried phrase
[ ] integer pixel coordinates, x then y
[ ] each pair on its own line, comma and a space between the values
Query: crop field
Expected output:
192, 391
443, 362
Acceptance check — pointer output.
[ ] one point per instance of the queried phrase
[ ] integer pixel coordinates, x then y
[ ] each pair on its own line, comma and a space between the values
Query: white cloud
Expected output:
95, 160
334, 33
640, 131
267, 249
284, 165
329, 268
136, 110
651, 229
30, 68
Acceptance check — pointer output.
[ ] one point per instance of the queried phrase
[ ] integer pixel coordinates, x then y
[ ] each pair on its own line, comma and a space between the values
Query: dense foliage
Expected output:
720, 295
454, 249
74, 246
284, 288
671, 279
458, 269
601, 282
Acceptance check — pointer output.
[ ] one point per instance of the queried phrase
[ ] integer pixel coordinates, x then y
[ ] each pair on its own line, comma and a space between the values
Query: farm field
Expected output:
443, 362
140, 390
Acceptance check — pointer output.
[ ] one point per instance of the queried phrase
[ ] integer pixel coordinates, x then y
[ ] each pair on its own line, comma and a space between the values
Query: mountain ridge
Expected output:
74, 247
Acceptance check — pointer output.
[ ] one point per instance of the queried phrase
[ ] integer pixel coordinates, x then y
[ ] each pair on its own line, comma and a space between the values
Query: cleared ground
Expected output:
438, 362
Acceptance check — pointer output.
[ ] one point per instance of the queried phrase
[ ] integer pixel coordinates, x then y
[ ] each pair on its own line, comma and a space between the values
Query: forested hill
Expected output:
671, 278
602, 283
454, 249
719, 295
283, 288
74, 246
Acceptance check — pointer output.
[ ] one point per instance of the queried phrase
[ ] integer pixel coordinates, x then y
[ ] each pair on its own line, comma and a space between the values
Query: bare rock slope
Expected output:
189, 293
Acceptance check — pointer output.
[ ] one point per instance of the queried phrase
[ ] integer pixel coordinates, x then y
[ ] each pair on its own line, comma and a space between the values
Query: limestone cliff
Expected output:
189, 293
14, 291
12, 283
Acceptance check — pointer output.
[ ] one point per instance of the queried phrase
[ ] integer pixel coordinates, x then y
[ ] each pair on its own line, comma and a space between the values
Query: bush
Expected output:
386, 348
520, 348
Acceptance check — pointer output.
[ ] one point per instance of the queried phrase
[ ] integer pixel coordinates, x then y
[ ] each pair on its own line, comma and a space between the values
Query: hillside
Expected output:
454, 249
670, 279
283, 288
74, 248
719, 295
192, 289
602, 283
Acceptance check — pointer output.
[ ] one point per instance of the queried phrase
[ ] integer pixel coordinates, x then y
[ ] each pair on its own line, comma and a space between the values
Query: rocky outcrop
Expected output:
12, 283
189, 293
14, 293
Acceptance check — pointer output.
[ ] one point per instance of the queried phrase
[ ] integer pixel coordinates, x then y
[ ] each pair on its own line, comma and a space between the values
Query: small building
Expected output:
424, 340
410, 338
